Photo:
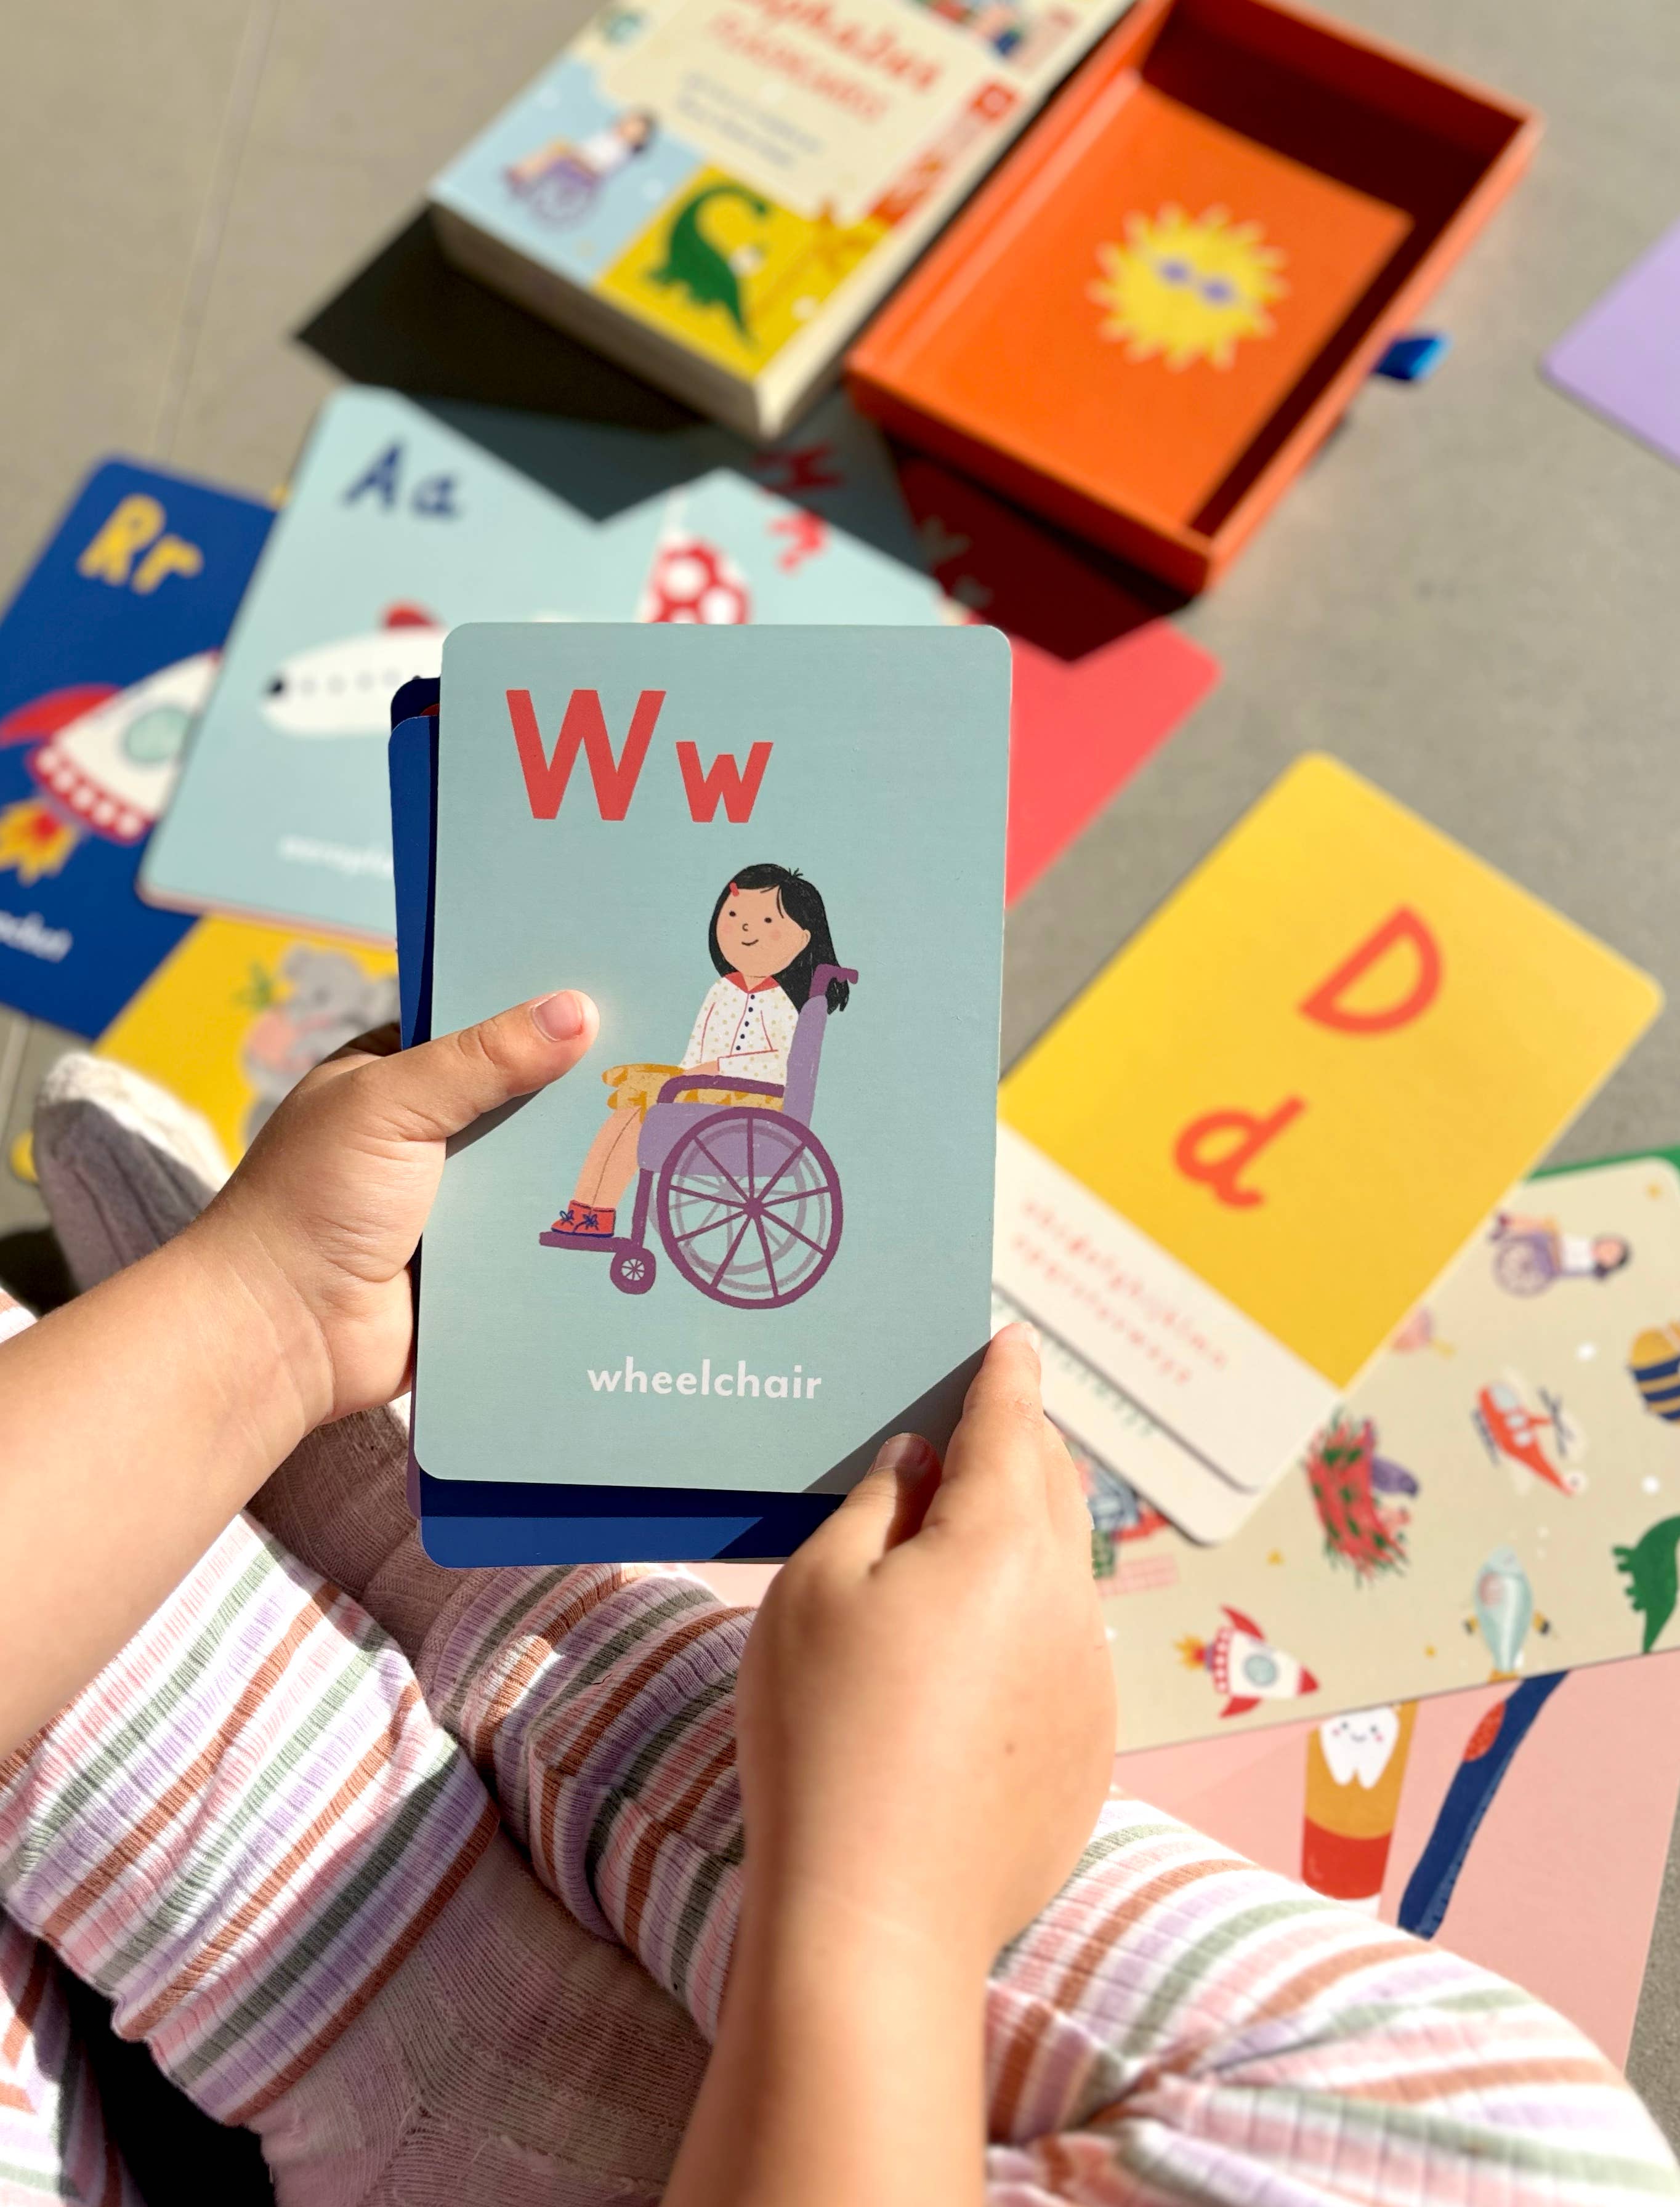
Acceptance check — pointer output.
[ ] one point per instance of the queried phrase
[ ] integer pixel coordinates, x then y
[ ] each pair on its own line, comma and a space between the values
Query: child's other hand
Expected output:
927, 1712
320, 1220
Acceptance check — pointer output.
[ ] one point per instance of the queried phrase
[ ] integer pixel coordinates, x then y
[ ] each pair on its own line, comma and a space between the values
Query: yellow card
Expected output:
1231, 1168
237, 1014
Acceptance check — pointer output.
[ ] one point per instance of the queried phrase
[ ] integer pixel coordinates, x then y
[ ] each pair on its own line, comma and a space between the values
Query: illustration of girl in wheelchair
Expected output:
560, 181
1530, 1254
744, 1197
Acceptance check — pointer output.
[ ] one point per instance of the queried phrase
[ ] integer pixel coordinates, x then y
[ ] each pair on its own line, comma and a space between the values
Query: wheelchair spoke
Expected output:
710, 1226
769, 1261
720, 1168
796, 1151
729, 1254
699, 1194
796, 1195
782, 1226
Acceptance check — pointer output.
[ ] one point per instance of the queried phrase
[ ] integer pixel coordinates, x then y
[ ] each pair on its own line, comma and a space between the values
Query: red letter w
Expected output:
725, 779
585, 724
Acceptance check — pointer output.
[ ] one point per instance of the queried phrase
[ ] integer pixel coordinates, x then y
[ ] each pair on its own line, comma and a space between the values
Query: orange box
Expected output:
1157, 309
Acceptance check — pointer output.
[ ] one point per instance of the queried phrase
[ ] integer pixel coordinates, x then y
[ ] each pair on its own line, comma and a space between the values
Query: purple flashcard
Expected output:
1622, 357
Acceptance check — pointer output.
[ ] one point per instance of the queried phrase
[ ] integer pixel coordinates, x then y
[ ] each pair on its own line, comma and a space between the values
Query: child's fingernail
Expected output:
904, 1452
559, 1017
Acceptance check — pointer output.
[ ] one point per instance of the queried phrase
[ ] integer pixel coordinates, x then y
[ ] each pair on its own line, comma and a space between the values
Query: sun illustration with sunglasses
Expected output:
1185, 288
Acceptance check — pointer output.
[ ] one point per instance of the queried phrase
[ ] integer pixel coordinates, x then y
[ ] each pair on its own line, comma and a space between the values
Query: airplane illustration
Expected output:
345, 689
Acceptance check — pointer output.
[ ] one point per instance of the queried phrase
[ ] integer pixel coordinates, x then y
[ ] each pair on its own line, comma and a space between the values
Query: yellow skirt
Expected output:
636, 1087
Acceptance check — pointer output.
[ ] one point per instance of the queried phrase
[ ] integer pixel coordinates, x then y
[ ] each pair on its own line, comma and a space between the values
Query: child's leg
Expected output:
121, 1165
53, 2136
610, 1162
250, 1834
1177, 2024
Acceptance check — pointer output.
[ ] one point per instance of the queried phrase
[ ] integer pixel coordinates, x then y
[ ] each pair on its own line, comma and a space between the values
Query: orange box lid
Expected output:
1147, 320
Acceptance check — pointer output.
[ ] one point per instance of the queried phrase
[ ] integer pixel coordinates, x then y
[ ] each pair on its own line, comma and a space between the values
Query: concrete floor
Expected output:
215, 205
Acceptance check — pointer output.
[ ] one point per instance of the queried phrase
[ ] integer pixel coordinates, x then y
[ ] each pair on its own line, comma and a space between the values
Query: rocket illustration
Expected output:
1244, 1665
345, 689
692, 579
1355, 1767
104, 761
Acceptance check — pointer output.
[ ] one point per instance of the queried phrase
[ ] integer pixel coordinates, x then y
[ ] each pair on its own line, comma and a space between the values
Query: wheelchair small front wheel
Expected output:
633, 1271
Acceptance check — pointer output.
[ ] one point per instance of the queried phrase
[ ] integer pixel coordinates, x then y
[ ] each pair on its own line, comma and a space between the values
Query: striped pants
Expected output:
311, 1830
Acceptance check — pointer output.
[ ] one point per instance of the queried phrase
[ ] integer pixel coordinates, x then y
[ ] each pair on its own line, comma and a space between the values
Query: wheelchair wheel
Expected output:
633, 1271
1521, 1266
562, 198
749, 1209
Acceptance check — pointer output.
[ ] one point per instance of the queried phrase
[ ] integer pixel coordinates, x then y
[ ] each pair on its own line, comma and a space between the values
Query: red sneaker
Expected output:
585, 1219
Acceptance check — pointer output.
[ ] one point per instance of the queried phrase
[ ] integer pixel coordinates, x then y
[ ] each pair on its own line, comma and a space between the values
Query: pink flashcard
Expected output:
1553, 1871
1101, 680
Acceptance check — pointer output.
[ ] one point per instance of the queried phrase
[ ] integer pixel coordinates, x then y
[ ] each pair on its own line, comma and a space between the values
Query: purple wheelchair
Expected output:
748, 1201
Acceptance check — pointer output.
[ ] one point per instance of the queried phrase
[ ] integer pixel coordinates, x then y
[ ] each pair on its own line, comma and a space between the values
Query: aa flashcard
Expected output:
1343, 1025
402, 522
107, 655
237, 1014
774, 858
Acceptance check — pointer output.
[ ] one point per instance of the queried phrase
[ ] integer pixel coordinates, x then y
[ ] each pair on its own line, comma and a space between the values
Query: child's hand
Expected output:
321, 1219
926, 1713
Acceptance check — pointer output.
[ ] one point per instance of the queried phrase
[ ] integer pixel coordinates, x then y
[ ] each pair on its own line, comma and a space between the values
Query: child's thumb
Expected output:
887, 1505
438, 1088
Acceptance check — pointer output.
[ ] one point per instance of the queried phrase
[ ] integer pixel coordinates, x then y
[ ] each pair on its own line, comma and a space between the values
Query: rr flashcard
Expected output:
107, 655
403, 522
750, 1236
1344, 1030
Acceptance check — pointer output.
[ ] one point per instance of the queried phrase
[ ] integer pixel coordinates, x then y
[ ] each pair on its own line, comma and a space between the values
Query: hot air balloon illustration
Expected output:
1505, 1610
1655, 1362
104, 761
1419, 1333
1244, 1665
692, 579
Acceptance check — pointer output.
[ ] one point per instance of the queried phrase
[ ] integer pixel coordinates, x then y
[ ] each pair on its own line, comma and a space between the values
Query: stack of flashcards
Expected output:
696, 1283
107, 652
1230, 1170
402, 523
718, 196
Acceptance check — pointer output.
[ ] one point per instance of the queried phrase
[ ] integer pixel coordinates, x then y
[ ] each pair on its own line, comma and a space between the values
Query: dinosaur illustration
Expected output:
1653, 1580
694, 262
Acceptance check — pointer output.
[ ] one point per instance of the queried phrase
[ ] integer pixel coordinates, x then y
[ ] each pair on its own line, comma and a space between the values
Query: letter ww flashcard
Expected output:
1232, 1168
751, 1236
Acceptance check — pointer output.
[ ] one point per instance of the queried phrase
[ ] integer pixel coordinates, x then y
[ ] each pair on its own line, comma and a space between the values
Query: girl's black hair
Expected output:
801, 900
